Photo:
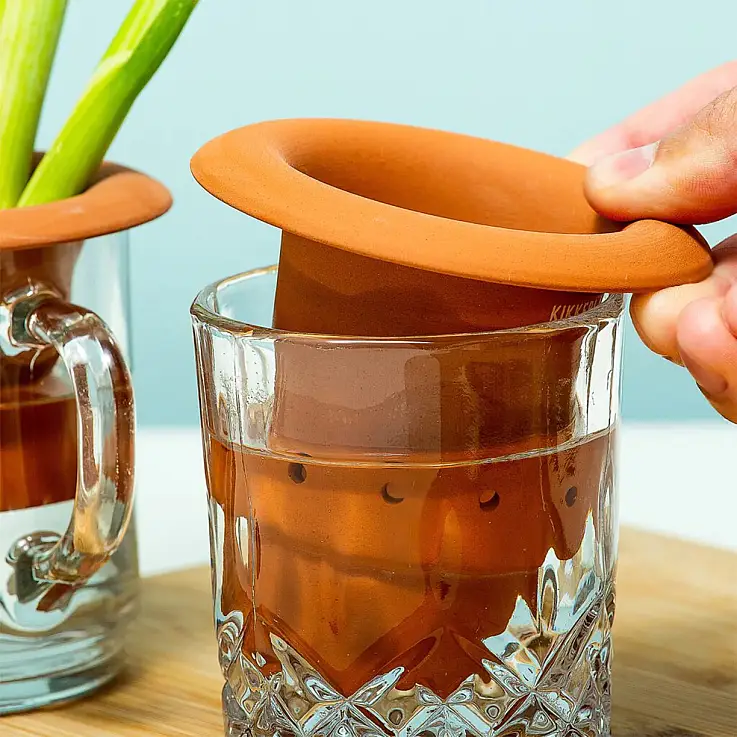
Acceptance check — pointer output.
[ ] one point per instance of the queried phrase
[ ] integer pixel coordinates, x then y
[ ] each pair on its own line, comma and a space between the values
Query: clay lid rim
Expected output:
283, 196
119, 198
609, 308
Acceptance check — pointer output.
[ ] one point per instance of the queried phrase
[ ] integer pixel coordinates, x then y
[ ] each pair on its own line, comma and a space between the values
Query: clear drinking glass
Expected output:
410, 536
67, 589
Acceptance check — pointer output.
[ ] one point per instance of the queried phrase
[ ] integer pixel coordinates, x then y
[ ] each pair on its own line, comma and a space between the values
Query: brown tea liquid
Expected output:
38, 444
368, 567
38, 417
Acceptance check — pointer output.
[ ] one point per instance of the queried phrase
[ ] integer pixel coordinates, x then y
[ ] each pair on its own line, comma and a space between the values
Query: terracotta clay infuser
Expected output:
392, 230
446, 204
421, 238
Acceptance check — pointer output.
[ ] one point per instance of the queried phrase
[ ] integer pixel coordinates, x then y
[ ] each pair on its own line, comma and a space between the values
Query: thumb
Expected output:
689, 177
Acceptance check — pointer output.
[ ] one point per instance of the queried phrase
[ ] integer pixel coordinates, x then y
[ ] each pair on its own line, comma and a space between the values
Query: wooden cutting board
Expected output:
675, 654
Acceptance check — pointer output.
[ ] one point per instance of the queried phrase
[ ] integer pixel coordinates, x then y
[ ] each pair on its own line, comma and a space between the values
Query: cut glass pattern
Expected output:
547, 674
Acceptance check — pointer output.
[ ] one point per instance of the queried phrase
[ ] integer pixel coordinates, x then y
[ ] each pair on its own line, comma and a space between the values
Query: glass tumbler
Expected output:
410, 536
68, 577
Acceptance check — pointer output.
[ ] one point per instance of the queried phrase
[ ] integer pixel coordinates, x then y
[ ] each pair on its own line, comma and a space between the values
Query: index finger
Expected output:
660, 118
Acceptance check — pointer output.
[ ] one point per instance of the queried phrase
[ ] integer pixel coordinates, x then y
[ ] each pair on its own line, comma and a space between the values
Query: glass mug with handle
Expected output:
409, 429
68, 570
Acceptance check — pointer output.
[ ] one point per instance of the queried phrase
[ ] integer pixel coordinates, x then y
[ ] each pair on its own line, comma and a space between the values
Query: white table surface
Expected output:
678, 479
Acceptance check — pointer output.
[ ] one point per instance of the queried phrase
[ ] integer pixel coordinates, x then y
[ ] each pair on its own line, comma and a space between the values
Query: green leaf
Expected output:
138, 49
29, 34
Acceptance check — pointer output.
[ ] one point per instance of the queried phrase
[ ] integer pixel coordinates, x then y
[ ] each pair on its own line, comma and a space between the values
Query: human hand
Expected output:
676, 160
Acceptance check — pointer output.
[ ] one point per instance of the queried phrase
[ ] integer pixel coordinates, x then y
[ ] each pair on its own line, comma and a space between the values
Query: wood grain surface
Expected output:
675, 654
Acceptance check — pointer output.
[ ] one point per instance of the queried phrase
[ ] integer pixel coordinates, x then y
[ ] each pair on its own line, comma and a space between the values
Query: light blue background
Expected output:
532, 72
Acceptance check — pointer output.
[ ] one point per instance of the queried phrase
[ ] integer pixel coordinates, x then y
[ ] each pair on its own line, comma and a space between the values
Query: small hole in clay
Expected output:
571, 496
444, 587
387, 496
489, 500
298, 473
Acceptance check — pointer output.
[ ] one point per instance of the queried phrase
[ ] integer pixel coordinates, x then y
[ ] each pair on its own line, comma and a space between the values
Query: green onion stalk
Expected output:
138, 49
29, 33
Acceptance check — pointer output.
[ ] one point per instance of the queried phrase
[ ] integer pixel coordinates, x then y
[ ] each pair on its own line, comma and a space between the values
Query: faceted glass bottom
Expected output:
547, 674
413, 602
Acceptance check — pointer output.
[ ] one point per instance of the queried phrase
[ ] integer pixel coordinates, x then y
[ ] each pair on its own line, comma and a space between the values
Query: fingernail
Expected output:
623, 166
712, 383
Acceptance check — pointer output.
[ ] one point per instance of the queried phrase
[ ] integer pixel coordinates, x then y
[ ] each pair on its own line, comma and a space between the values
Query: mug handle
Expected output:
105, 437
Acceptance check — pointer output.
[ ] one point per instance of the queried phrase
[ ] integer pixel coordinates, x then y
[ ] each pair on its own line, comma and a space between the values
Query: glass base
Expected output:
71, 670
547, 675
58, 643
380, 711
453, 673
